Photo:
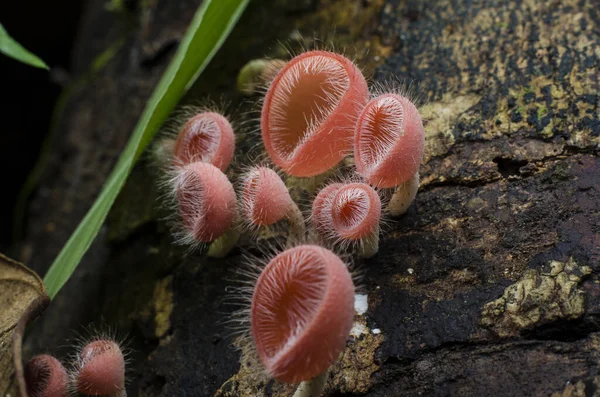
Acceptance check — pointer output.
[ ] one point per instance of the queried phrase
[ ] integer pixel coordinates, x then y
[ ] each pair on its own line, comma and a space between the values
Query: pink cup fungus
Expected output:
309, 112
206, 137
301, 313
389, 141
101, 369
45, 376
322, 206
349, 213
266, 200
206, 202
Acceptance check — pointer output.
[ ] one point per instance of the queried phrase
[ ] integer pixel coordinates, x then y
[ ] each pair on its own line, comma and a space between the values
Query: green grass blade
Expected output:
11, 48
209, 28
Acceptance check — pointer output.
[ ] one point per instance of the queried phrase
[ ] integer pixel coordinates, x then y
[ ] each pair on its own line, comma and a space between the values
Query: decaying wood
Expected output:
487, 286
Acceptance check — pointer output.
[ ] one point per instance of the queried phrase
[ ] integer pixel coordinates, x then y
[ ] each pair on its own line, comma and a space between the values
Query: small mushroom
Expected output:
266, 200
301, 315
349, 213
389, 141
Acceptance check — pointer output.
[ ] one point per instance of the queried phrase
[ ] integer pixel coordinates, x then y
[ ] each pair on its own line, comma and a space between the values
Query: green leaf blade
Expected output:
209, 28
10, 47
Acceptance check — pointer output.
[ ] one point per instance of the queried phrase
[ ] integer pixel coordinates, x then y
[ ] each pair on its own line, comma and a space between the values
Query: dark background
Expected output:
46, 28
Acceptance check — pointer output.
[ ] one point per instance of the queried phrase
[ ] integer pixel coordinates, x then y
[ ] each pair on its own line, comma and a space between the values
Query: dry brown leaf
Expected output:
22, 298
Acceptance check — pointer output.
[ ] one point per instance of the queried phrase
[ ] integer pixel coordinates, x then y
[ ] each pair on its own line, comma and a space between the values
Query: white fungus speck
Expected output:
361, 304
376, 331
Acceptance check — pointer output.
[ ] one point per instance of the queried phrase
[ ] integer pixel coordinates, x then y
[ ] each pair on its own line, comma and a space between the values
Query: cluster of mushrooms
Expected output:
97, 369
317, 112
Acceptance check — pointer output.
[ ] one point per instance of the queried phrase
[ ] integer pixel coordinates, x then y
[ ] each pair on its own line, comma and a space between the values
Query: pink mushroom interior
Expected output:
287, 298
307, 93
381, 129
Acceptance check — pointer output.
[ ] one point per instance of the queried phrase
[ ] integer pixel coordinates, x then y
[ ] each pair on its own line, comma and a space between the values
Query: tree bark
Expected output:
487, 286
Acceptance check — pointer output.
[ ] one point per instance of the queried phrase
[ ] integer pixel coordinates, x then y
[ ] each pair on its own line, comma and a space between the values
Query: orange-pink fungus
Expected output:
302, 311
101, 369
206, 137
309, 112
388, 141
321, 207
349, 213
207, 202
355, 211
265, 198
45, 376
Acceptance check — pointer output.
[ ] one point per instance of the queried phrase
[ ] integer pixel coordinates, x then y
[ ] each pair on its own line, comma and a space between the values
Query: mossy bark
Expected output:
487, 286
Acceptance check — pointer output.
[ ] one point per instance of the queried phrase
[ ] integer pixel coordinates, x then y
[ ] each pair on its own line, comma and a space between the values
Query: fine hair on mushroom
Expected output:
265, 200
99, 368
197, 133
204, 207
45, 376
301, 312
389, 142
348, 214
309, 111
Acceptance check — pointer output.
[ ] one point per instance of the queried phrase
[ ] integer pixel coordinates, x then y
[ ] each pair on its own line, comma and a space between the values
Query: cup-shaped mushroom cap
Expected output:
321, 207
308, 115
266, 199
206, 201
301, 313
101, 368
388, 141
45, 376
206, 137
355, 211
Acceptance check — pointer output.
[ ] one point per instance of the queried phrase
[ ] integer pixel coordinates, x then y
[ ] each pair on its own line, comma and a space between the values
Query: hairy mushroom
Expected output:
389, 141
309, 112
349, 214
45, 376
301, 315
266, 200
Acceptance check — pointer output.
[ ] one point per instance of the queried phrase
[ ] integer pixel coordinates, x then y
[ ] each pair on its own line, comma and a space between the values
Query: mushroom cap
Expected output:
206, 137
302, 311
355, 211
389, 140
207, 202
265, 198
321, 207
45, 376
347, 211
102, 368
308, 115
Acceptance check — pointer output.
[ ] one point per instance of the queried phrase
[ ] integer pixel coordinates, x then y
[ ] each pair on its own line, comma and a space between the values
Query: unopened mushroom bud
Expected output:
258, 73
309, 112
301, 315
207, 205
388, 147
266, 200
101, 369
45, 376
349, 213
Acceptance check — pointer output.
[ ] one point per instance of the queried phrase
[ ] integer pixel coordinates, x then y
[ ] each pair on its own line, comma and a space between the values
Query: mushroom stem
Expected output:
220, 247
313, 387
370, 245
297, 227
404, 196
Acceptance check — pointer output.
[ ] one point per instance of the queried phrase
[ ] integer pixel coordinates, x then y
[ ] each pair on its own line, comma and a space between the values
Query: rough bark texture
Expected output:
487, 286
